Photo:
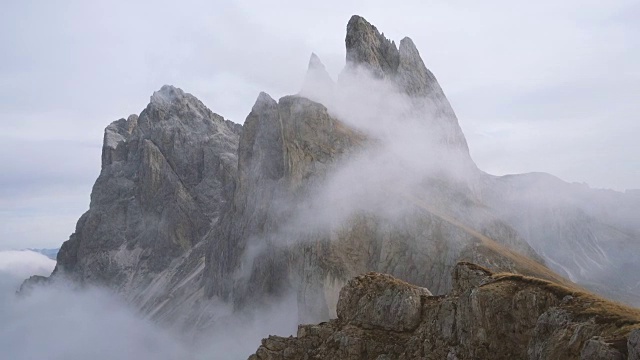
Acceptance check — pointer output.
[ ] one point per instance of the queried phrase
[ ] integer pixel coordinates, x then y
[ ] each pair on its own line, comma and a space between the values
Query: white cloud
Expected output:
24, 263
58, 323
61, 321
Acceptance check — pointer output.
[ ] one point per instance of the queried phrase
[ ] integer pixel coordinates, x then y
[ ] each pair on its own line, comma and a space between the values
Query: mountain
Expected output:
166, 175
588, 235
486, 316
371, 172
295, 156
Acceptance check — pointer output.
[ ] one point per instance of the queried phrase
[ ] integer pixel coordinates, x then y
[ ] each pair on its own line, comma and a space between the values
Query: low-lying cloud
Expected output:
61, 321
24, 263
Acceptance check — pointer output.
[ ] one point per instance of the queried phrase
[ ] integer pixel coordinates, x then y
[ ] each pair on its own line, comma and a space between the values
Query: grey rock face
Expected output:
633, 344
287, 151
468, 275
507, 317
283, 147
413, 75
378, 301
598, 349
166, 175
261, 165
588, 235
367, 47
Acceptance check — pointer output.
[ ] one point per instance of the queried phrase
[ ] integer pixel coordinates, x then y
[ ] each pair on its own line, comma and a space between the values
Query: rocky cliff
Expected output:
286, 229
166, 176
485, 316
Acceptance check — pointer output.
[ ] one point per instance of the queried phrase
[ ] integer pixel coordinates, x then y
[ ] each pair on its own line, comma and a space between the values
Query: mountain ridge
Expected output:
486, 316
369, 173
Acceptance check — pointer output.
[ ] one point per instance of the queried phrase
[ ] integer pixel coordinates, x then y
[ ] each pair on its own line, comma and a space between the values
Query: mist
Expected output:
64, 321
413, 161
410, 141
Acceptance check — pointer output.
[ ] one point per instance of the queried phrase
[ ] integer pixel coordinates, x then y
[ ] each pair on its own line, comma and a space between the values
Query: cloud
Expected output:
63, 321
58, 323
24, 263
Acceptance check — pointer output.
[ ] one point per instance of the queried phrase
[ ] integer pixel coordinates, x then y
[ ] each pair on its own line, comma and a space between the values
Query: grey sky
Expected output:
537, 86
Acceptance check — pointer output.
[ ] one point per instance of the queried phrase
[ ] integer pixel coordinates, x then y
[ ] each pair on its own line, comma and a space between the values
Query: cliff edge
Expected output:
485, 316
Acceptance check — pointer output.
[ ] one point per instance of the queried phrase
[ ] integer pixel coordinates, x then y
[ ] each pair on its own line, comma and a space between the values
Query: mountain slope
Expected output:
368, 173
301, 221
165, 178
587, 235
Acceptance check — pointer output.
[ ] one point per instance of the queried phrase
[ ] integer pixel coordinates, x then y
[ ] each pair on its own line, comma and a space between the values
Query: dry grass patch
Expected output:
583, 304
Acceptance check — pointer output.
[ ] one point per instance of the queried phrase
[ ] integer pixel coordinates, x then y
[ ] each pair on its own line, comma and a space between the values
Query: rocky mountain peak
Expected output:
403, 67
263, 101
412, 75
317, 82
166, 94
166, 175
315, 62
172, 106
367, 47
260, 147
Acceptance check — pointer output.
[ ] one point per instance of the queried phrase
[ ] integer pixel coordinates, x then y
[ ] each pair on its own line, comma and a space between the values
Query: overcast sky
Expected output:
537, 86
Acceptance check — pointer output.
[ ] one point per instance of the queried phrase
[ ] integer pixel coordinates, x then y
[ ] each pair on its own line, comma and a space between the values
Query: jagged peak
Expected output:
315, 63
413, 76
263, 101
407, 47
318, 84
358, 24
166, 94
367, 47
175, 100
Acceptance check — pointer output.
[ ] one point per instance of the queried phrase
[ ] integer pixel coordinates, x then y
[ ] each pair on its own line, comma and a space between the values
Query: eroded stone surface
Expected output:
634, 345
165, 177
379, 301
503, 317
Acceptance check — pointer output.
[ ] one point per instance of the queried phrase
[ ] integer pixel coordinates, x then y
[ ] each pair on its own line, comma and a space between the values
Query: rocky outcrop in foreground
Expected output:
486, 316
